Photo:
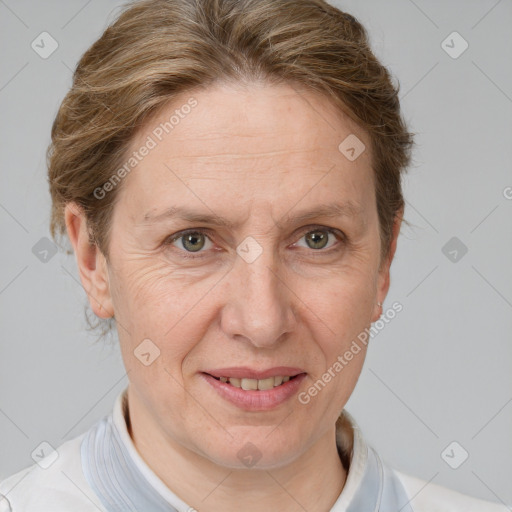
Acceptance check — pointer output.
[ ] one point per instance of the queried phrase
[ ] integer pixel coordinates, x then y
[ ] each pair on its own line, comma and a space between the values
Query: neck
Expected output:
311, 482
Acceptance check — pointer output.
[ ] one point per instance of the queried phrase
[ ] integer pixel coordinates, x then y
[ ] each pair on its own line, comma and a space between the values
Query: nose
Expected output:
260, 307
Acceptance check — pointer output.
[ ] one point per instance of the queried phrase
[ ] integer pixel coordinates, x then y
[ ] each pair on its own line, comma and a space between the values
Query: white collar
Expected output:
124, 482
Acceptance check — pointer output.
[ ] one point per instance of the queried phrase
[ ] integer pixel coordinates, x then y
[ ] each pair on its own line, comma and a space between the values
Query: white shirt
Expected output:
101, 471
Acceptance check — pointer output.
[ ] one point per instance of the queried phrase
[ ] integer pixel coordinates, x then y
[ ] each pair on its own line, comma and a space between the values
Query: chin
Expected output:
255, 448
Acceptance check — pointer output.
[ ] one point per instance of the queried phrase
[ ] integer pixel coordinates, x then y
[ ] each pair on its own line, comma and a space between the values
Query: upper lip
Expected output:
243, 372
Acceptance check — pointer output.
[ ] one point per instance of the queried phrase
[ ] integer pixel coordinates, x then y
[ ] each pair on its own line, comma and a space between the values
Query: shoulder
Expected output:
429, 497
55, 483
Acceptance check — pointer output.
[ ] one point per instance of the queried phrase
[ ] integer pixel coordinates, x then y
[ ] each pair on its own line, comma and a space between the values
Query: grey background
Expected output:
439, 372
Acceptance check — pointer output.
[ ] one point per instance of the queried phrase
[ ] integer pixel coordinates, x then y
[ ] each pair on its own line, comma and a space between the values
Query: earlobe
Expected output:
91, 263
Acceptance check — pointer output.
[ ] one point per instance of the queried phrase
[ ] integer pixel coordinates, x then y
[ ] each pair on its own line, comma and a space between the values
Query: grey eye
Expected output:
192, 241
317, 239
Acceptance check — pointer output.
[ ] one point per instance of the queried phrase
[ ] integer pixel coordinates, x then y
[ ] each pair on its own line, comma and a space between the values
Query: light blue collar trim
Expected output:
371, 486
117, 473
124, 482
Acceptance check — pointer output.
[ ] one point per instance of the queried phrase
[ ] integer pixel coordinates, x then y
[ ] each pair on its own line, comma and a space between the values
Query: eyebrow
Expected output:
331, 210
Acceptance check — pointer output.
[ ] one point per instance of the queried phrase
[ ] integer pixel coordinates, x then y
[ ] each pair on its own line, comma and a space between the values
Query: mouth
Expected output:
254, 390
256, 384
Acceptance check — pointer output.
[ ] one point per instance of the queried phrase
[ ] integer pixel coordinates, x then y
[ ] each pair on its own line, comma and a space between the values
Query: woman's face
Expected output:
265, 290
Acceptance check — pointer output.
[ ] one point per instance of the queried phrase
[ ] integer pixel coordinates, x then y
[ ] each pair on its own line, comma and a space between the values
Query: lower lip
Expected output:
254, 400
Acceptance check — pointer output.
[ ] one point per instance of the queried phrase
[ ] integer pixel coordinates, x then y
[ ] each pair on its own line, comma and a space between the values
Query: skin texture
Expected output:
256, 155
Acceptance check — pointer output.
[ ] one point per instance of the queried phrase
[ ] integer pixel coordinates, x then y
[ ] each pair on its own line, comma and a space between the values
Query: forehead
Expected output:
238, 142
250, 116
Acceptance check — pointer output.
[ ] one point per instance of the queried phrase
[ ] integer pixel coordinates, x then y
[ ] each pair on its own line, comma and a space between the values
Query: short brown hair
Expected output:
157, 49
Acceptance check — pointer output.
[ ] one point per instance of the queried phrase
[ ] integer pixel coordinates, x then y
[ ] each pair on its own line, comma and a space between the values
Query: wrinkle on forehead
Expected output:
278, 117
249, 154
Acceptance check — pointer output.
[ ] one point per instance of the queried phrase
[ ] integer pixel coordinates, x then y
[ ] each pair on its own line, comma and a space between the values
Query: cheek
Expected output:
339, 311
338, 320
156, 301
344, 299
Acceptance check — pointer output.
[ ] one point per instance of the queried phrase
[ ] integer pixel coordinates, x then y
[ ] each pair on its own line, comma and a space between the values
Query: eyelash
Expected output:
201, 254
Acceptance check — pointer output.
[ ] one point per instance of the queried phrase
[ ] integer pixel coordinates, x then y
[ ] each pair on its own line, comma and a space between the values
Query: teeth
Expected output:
248, 384
235, 382
266, 383
256, 384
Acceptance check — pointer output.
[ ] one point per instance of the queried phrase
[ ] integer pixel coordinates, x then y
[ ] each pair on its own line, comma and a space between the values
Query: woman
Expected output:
228, 174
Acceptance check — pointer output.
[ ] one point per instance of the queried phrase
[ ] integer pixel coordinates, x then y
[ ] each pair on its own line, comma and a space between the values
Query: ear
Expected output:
383, 278
92, 265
